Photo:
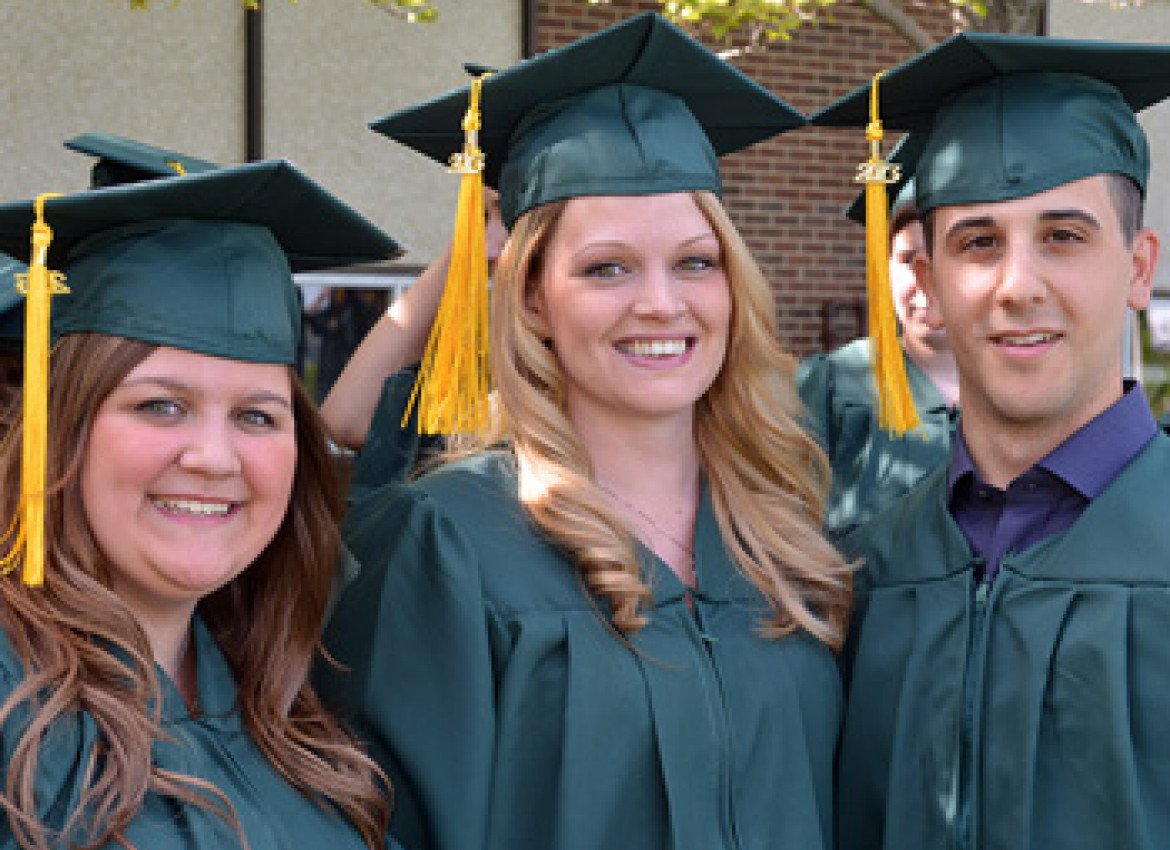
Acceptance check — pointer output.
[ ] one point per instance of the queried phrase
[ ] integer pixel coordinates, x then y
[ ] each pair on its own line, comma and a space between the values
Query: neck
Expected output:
1002, 451
659, 457
650, 471
169, 636
932, 354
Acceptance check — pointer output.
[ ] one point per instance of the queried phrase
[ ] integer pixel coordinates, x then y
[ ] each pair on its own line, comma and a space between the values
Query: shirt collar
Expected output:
1092, 456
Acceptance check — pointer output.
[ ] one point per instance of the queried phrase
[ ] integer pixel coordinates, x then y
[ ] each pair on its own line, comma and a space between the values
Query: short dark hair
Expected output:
1124, 192
1129, 203
904, 214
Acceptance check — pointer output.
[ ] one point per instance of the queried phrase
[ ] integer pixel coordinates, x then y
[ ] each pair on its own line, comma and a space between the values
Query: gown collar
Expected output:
215, 683
717, 579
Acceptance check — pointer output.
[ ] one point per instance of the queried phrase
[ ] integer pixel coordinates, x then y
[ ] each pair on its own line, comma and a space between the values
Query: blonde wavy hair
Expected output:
768, 480
84, 652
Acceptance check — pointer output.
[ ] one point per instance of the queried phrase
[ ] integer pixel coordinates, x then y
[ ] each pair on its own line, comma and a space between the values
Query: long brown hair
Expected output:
768, 479
83, 650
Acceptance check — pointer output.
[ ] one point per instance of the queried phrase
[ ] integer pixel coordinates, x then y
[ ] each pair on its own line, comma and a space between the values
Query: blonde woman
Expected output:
614, 623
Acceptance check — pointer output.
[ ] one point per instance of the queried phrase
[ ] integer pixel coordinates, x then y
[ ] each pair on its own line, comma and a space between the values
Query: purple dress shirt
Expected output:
1050, 496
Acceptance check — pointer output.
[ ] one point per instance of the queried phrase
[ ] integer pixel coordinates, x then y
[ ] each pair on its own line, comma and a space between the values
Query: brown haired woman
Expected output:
153, 690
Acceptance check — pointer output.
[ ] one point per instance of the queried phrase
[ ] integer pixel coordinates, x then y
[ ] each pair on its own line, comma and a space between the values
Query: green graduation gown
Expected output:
511, 716
871, 468
391, 450
1026, 714
214, 747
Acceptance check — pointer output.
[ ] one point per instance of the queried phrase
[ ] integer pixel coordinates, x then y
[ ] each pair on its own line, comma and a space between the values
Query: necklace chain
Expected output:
689, 550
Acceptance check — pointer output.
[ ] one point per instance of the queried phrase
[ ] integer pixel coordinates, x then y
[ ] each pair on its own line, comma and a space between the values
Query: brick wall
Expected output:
786, 194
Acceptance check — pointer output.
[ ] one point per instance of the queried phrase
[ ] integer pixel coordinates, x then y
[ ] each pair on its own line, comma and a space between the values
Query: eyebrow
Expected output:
1073, 214
969, 224
177, 386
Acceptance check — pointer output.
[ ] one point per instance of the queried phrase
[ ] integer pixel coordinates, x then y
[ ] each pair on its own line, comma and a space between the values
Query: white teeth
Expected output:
1027, 339
193, 508
656, 347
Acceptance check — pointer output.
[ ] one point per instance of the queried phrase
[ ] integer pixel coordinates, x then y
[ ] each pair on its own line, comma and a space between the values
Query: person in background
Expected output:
1007, 667
612, 622
871, 466
155, 644
341, 323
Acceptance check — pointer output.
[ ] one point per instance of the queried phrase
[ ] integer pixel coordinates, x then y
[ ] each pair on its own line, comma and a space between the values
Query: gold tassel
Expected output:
896, 411
38, 286
453, 380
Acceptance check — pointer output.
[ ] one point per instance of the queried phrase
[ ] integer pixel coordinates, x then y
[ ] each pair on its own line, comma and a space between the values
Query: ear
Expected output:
535, 310
1146, 247
924, 277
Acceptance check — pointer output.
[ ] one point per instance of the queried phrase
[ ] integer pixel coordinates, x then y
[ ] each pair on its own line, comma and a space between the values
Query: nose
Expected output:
211, 450
1021, 279
658, 295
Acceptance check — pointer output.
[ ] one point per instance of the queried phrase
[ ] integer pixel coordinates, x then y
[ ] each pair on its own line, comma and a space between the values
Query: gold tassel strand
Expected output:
453, 381
38, 286
896, 411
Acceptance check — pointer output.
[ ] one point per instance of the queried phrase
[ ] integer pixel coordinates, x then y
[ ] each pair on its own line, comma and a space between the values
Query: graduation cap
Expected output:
1009, 116
639, 108
201, 263
121, 160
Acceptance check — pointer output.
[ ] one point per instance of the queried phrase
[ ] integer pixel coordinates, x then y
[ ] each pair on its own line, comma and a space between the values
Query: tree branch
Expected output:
899, 21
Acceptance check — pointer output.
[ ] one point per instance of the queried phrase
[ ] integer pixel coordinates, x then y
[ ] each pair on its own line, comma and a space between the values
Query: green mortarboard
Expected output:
200, 262
121, 160
1010, 116
637, 108
901, 192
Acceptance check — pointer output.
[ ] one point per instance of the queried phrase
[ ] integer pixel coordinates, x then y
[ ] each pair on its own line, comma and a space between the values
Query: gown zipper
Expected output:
973, 676
708, 640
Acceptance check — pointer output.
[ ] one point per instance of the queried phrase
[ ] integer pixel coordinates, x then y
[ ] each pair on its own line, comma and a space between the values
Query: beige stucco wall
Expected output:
173, 76
1151, 23
333, 65
162, 76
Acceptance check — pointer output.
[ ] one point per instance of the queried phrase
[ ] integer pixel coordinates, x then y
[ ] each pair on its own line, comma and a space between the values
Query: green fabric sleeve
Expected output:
412, 629
391, 450
814, 384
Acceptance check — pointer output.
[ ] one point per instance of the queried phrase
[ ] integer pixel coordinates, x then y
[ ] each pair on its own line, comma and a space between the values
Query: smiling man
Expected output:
1008, 668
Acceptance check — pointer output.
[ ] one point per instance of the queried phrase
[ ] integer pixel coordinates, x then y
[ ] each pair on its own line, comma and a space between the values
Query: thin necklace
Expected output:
689, 550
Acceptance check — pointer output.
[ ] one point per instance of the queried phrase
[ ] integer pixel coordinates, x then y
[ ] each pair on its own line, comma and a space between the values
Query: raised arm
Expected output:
397, 340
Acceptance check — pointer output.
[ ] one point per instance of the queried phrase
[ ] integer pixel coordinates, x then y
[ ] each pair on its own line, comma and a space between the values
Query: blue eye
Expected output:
698, 263
160, 407
604, 270
256, 418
